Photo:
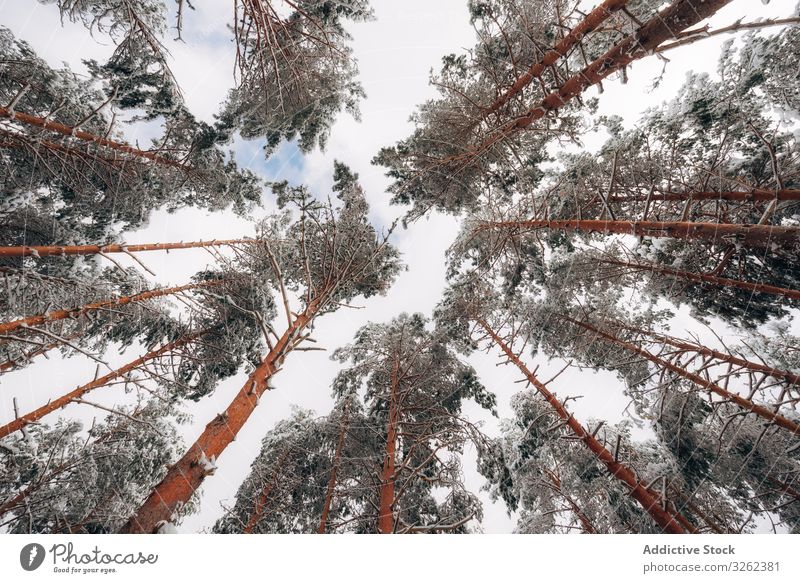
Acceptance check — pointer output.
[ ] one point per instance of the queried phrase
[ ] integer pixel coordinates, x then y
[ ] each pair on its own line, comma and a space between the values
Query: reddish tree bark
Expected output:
590, 22
784, 487
188, 473
745, 404
691, 36
70, 397
58, 250
762, 288
337, 458
65, 130
386, 514
55, 315
724, 357
649, 500
756, 235
22, 141
664, 26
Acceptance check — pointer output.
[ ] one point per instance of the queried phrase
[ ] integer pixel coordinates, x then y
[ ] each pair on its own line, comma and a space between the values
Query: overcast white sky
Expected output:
395, 54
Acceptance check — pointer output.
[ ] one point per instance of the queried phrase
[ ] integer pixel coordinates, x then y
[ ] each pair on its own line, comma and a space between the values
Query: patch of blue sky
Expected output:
205, 27
285, 163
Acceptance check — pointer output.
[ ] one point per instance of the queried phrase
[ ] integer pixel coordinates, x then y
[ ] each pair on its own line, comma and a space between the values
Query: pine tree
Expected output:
472, 313
296, 71
68, 168
585, 257
286, 489
44, 311
415, 385
723, 456
324, 256
373, 464
70, 479
225, 330
138, 72
557, 485
704, 182
452, 157
76, 395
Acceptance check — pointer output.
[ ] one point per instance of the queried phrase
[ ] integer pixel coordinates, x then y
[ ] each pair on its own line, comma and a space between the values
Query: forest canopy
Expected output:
648, 262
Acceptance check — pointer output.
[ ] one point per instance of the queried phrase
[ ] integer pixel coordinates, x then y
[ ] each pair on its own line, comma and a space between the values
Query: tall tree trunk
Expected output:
261, 503
337, 458
648, 499
678, 16
745, 404
386, 514
56, 315
757, 194
590, 22
59, 250
762, 288
72, 396
786, 375
65, 130
186, 475
41, 146
755, 235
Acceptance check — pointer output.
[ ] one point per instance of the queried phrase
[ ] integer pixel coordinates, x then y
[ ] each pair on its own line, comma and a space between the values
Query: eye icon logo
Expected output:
31, 556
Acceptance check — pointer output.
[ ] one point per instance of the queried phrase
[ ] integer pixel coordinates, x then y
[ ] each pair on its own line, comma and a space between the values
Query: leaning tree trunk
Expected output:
72, 132
753, 235
187, 474
668, 520
73, 396
60, 250
386, 513
41, 147
684, 345
590, 22
337, 459
56, 315
762, 288
746, 404
679, 16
